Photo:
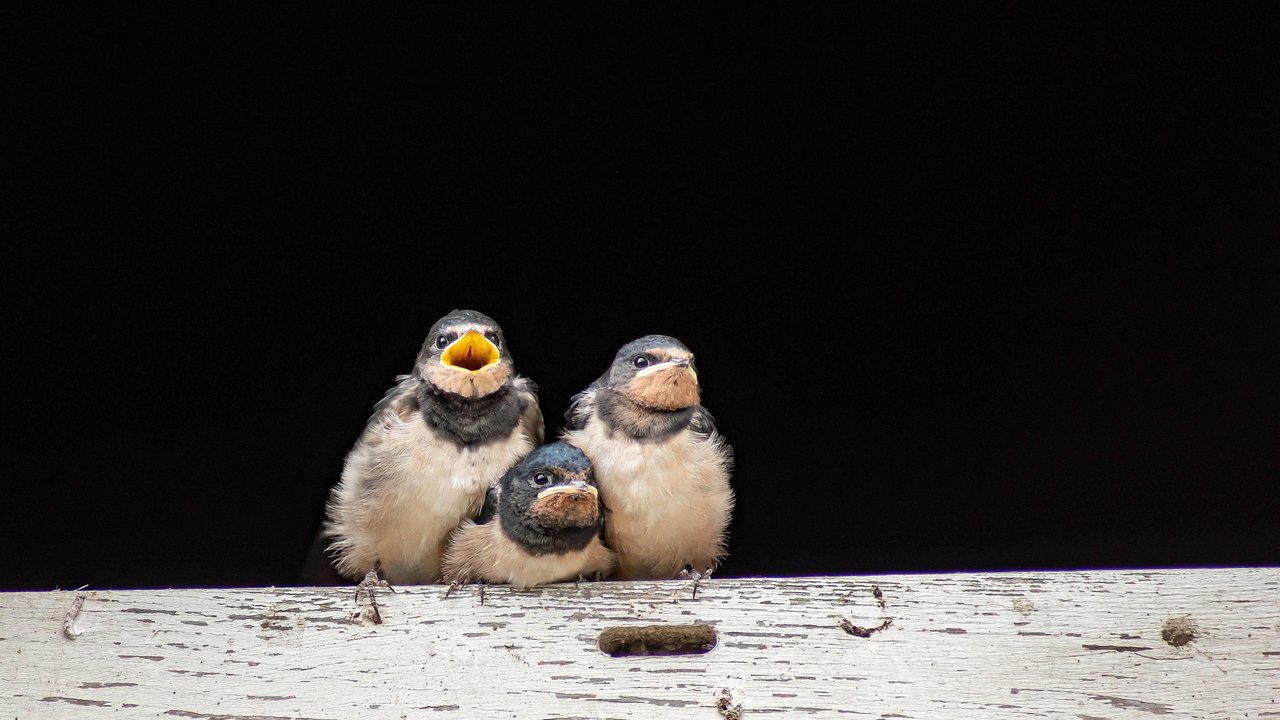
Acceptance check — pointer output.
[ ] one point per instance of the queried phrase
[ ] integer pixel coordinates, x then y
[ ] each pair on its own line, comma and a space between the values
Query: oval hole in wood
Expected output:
658, 640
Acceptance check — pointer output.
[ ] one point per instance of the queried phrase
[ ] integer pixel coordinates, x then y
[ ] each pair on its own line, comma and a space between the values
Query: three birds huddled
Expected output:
454, 480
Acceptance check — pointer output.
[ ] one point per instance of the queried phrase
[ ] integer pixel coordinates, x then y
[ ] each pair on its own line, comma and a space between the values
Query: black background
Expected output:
970, 288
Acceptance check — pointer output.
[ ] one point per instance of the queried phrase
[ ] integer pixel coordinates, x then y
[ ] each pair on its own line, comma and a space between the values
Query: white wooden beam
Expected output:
1202, 643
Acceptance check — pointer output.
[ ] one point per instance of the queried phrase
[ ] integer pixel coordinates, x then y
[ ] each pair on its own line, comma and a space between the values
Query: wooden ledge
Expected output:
1099, 644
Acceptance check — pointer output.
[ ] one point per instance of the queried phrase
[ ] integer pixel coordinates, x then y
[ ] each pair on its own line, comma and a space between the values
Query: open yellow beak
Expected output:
471, 353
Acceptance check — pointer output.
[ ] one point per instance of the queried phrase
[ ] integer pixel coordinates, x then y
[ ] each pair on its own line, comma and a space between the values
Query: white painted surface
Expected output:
985, 645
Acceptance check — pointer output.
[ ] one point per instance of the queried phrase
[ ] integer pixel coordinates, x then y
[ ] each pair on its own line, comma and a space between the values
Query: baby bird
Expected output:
662, 468
540, 524
435, 443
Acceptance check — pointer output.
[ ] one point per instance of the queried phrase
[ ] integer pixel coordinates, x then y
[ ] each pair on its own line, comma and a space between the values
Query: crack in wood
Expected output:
767, 645
863, 632
75, 701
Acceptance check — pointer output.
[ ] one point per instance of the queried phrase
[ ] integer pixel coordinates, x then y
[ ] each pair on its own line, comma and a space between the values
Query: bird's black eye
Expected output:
640, 361
541, 479
493, 337
442, 341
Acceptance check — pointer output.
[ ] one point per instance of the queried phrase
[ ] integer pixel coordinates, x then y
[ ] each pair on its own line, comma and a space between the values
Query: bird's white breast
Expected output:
668, 502
404, 488
503, 561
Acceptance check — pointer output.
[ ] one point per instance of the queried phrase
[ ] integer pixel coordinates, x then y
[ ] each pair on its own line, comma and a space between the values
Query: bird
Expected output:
435, 444
540, 524
662, 467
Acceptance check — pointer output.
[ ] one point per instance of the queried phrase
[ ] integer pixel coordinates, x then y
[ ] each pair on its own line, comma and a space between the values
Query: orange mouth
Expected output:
471, 353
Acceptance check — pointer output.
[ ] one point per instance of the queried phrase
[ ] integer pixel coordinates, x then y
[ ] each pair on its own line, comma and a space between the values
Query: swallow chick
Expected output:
435, 444
540, 524
662, 468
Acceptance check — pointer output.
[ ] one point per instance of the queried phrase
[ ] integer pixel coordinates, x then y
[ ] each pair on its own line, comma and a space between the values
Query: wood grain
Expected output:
1201, 643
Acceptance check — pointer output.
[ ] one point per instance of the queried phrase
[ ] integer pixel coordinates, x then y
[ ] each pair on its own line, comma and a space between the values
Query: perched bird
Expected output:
662, 468
540, 524
428, 455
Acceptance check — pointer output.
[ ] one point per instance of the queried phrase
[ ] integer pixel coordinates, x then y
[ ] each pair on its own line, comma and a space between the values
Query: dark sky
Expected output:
969, 288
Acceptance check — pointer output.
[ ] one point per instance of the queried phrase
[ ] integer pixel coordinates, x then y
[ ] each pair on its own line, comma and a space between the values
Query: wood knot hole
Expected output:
657, 640
1178, 631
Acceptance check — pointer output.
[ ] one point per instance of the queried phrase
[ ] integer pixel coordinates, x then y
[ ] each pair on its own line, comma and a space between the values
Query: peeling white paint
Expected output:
984, 645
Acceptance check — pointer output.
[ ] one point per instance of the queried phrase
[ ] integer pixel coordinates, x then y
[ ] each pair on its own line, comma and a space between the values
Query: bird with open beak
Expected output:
662, 468
540, 524
435, 444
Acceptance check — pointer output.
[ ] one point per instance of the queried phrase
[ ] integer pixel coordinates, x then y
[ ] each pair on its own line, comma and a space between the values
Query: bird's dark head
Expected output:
548, 502
465, 354
655, 372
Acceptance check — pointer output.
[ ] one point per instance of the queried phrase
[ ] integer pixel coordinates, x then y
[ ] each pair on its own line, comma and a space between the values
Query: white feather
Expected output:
669, 502
423, 486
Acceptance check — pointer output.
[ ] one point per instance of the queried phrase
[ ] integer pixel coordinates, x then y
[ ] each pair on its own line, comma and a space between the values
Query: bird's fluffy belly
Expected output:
668, 502
402, 495
482, 552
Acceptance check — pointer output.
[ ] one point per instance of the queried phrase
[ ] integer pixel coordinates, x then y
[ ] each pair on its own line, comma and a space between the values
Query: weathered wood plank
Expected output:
1103, 644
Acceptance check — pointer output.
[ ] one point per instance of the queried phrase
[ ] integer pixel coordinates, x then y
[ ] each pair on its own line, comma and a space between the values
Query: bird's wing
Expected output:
581, 406
490, 507
399, 399
530, 411
702, 423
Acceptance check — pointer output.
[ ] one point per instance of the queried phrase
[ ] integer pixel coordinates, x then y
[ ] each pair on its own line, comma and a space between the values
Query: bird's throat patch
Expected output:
674, 388
575, 508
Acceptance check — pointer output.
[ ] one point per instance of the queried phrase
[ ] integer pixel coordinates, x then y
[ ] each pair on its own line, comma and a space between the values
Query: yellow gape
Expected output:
471, 353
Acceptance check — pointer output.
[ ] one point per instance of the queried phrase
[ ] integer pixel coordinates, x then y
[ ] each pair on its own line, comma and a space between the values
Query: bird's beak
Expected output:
575, 504
670, 365
577, 487
471, 353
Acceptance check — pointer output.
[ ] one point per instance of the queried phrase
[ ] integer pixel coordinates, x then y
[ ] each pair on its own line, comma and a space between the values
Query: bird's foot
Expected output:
460, 583
596, 576
372, 581
452, 586
689, 573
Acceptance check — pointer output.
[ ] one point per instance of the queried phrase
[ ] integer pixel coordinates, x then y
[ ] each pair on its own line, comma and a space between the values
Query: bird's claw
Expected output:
596, 576
688, 573
371, 582
460, 583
